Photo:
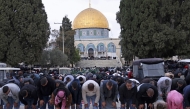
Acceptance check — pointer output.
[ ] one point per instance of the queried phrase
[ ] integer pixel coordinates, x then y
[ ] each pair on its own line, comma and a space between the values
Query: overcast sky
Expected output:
57, 9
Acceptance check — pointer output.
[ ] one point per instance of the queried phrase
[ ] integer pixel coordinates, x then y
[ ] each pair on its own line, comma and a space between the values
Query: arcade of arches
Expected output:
92, 35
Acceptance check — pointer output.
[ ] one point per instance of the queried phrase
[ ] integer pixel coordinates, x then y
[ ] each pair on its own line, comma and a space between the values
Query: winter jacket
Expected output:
32, 94
14, 89
46, 90
86, 92
142, 96
175, 86
124, 93
76, 94
104, 91
186, 95
161, 84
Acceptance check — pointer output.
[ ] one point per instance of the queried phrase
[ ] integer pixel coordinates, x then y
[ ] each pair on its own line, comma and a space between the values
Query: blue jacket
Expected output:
76, 94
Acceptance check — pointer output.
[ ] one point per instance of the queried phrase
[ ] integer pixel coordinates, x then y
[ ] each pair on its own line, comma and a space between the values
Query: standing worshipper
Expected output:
109, 92
91, 92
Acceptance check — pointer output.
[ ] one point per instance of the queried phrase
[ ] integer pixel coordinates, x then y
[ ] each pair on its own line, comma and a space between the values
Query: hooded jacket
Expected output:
32, 94
76, 94
14, 89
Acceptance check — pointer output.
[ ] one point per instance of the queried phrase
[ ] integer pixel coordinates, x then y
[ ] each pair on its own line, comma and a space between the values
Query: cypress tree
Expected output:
154, 28
24, 31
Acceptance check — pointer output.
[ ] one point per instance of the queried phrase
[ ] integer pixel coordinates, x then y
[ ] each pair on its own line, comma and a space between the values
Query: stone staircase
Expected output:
99, 63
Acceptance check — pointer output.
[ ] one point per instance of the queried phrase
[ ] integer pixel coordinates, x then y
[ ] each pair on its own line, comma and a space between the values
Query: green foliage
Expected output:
154, 28
57, 58
69, 48
75, 56
53, 58
128, 55
24, 31
45, 58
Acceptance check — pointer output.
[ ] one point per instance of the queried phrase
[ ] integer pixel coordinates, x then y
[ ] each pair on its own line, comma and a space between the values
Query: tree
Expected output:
69, 48
24, 31
57, 58
128, 55
155, 28
52, 58
45, 58
75, 56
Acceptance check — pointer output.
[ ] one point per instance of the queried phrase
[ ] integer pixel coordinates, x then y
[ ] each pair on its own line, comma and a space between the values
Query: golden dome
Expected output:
90, 18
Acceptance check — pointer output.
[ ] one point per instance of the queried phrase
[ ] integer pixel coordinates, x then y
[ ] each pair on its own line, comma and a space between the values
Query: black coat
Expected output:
104, 90
76, 94
186, 93
178, 70
175, 86
187, 79
124, 94
115, 78
32, 94
46, 90
142, 96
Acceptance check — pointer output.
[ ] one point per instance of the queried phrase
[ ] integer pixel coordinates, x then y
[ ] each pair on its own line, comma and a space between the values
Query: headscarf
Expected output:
60, 98
174, 100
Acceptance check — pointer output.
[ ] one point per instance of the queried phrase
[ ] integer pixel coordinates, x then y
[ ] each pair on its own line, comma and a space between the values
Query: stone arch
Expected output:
81, 47
90, 45
91, 50
101, 47
111, 47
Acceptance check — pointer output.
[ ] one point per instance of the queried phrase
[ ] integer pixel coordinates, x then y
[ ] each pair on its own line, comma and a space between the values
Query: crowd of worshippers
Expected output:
99, 90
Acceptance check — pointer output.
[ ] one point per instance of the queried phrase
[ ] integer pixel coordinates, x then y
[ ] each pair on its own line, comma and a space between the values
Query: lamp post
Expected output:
62, 34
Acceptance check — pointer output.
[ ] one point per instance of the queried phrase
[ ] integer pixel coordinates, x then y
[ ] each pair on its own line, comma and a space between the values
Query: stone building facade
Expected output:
92, 35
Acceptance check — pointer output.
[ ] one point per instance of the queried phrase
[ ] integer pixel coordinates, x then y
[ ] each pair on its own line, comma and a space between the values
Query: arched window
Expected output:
111, 47
81, 47
100, 47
